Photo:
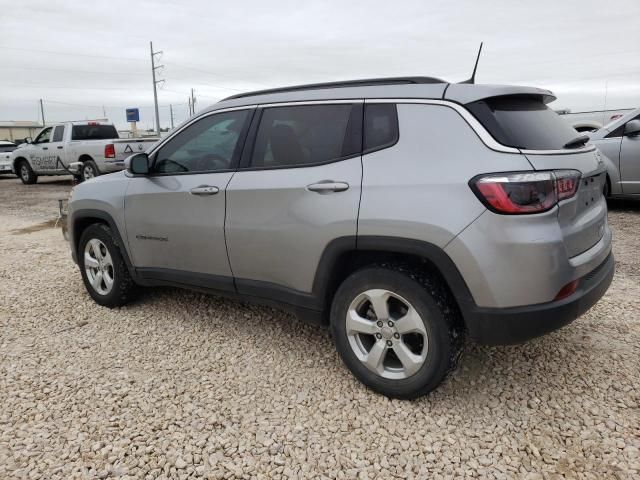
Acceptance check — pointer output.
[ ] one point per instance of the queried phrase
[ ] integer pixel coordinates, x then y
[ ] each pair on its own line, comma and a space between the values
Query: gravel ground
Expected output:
181, 385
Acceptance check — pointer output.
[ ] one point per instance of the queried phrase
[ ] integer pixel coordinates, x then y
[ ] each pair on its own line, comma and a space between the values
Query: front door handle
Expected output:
328, 186
45, 148
60, 147
204, 190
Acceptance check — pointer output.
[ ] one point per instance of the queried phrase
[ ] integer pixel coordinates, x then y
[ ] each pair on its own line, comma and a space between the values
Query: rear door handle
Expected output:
328, 186
60, 147
204, 190
45, 148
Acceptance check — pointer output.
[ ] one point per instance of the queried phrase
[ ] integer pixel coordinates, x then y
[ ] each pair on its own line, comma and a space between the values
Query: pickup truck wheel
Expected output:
103, 268
396, 329
26, 173
89, 170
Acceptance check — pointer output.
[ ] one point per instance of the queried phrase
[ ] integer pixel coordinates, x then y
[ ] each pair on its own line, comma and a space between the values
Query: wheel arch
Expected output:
348, 254
82, 219
16, 161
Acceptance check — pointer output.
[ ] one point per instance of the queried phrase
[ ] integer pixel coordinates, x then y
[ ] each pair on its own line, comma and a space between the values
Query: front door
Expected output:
41, 158
175, 215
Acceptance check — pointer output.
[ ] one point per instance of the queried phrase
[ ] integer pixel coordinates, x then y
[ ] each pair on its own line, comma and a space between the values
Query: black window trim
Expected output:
247, 154
237, 152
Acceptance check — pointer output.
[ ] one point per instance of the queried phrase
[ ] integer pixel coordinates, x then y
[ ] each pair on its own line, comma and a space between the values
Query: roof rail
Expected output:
348, 83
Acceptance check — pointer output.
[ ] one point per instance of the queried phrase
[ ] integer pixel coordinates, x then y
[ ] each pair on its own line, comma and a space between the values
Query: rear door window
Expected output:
58, 133
523, 122
307, 135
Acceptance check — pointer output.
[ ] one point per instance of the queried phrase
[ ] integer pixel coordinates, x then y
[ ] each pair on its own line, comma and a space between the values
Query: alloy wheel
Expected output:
387, 334
98, 266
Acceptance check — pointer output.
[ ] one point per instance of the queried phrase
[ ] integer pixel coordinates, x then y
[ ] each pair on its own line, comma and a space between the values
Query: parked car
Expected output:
6, 148
619, 142
84, 149
593, 120
404, 213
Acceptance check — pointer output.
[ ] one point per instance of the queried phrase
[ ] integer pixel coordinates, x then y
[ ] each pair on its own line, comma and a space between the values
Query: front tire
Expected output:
26, 173
396, 329
104, 271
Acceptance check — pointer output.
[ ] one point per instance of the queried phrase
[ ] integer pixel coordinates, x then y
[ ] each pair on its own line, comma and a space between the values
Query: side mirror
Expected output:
28, 140
632, 128
137, 164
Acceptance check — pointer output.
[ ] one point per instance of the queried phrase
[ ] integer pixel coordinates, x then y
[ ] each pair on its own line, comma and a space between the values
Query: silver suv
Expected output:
403, 213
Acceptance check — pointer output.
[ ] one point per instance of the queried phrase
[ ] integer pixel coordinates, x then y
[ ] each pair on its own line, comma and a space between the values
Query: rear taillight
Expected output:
525, 192
109, 150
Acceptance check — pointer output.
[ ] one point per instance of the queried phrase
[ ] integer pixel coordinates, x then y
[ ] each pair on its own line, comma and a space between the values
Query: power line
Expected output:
72, 88
206, 72
66, 70
72, 54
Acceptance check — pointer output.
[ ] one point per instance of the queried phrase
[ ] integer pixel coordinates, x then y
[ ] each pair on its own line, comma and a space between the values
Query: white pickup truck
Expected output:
83, 149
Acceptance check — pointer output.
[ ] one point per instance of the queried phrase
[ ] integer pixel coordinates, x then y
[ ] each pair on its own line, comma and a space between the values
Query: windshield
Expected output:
523, 122
93, 132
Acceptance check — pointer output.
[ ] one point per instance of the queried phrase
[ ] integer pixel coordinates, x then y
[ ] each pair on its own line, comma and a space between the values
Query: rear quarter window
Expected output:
523, 122
380, 126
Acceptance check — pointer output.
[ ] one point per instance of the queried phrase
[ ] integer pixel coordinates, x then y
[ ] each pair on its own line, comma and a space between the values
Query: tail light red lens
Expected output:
109, 150
525, 192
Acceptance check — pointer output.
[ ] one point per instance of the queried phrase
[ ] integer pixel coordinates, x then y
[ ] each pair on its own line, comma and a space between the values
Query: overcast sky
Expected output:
80, 56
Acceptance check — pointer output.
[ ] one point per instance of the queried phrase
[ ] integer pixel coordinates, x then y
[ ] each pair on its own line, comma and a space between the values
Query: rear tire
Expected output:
89, 170
26, 173
419, 353
104, 271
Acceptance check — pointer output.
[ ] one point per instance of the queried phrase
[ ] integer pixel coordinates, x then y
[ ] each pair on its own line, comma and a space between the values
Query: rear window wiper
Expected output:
579, 141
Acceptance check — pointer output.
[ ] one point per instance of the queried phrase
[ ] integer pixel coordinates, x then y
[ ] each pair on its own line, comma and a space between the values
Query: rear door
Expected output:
57, 145
175, 216
297, 190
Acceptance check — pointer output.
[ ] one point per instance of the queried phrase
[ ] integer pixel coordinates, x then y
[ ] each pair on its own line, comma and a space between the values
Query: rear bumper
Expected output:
504, 326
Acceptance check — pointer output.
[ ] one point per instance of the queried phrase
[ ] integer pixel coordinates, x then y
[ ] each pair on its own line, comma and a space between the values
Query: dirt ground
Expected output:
184, 385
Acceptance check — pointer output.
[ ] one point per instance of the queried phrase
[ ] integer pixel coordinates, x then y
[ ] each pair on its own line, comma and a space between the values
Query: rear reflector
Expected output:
567, 290
525, 192
109, 150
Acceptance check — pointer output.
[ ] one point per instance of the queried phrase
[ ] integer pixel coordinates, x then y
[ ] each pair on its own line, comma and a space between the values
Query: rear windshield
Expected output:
523, 122
93, 132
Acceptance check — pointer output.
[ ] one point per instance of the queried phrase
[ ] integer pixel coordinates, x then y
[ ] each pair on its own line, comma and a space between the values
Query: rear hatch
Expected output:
549, 143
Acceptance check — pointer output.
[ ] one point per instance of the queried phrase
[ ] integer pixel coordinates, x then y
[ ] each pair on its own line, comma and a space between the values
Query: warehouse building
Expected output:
19, 130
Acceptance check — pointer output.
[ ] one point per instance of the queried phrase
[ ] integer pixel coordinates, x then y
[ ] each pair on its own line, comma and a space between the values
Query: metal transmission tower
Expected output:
155, 67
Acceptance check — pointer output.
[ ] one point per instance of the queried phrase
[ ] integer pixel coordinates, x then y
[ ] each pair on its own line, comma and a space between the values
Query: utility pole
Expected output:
42, 111
193, 102
171, 111
155, 84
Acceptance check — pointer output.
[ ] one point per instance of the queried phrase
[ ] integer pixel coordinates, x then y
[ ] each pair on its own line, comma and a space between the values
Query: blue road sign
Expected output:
133, 115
